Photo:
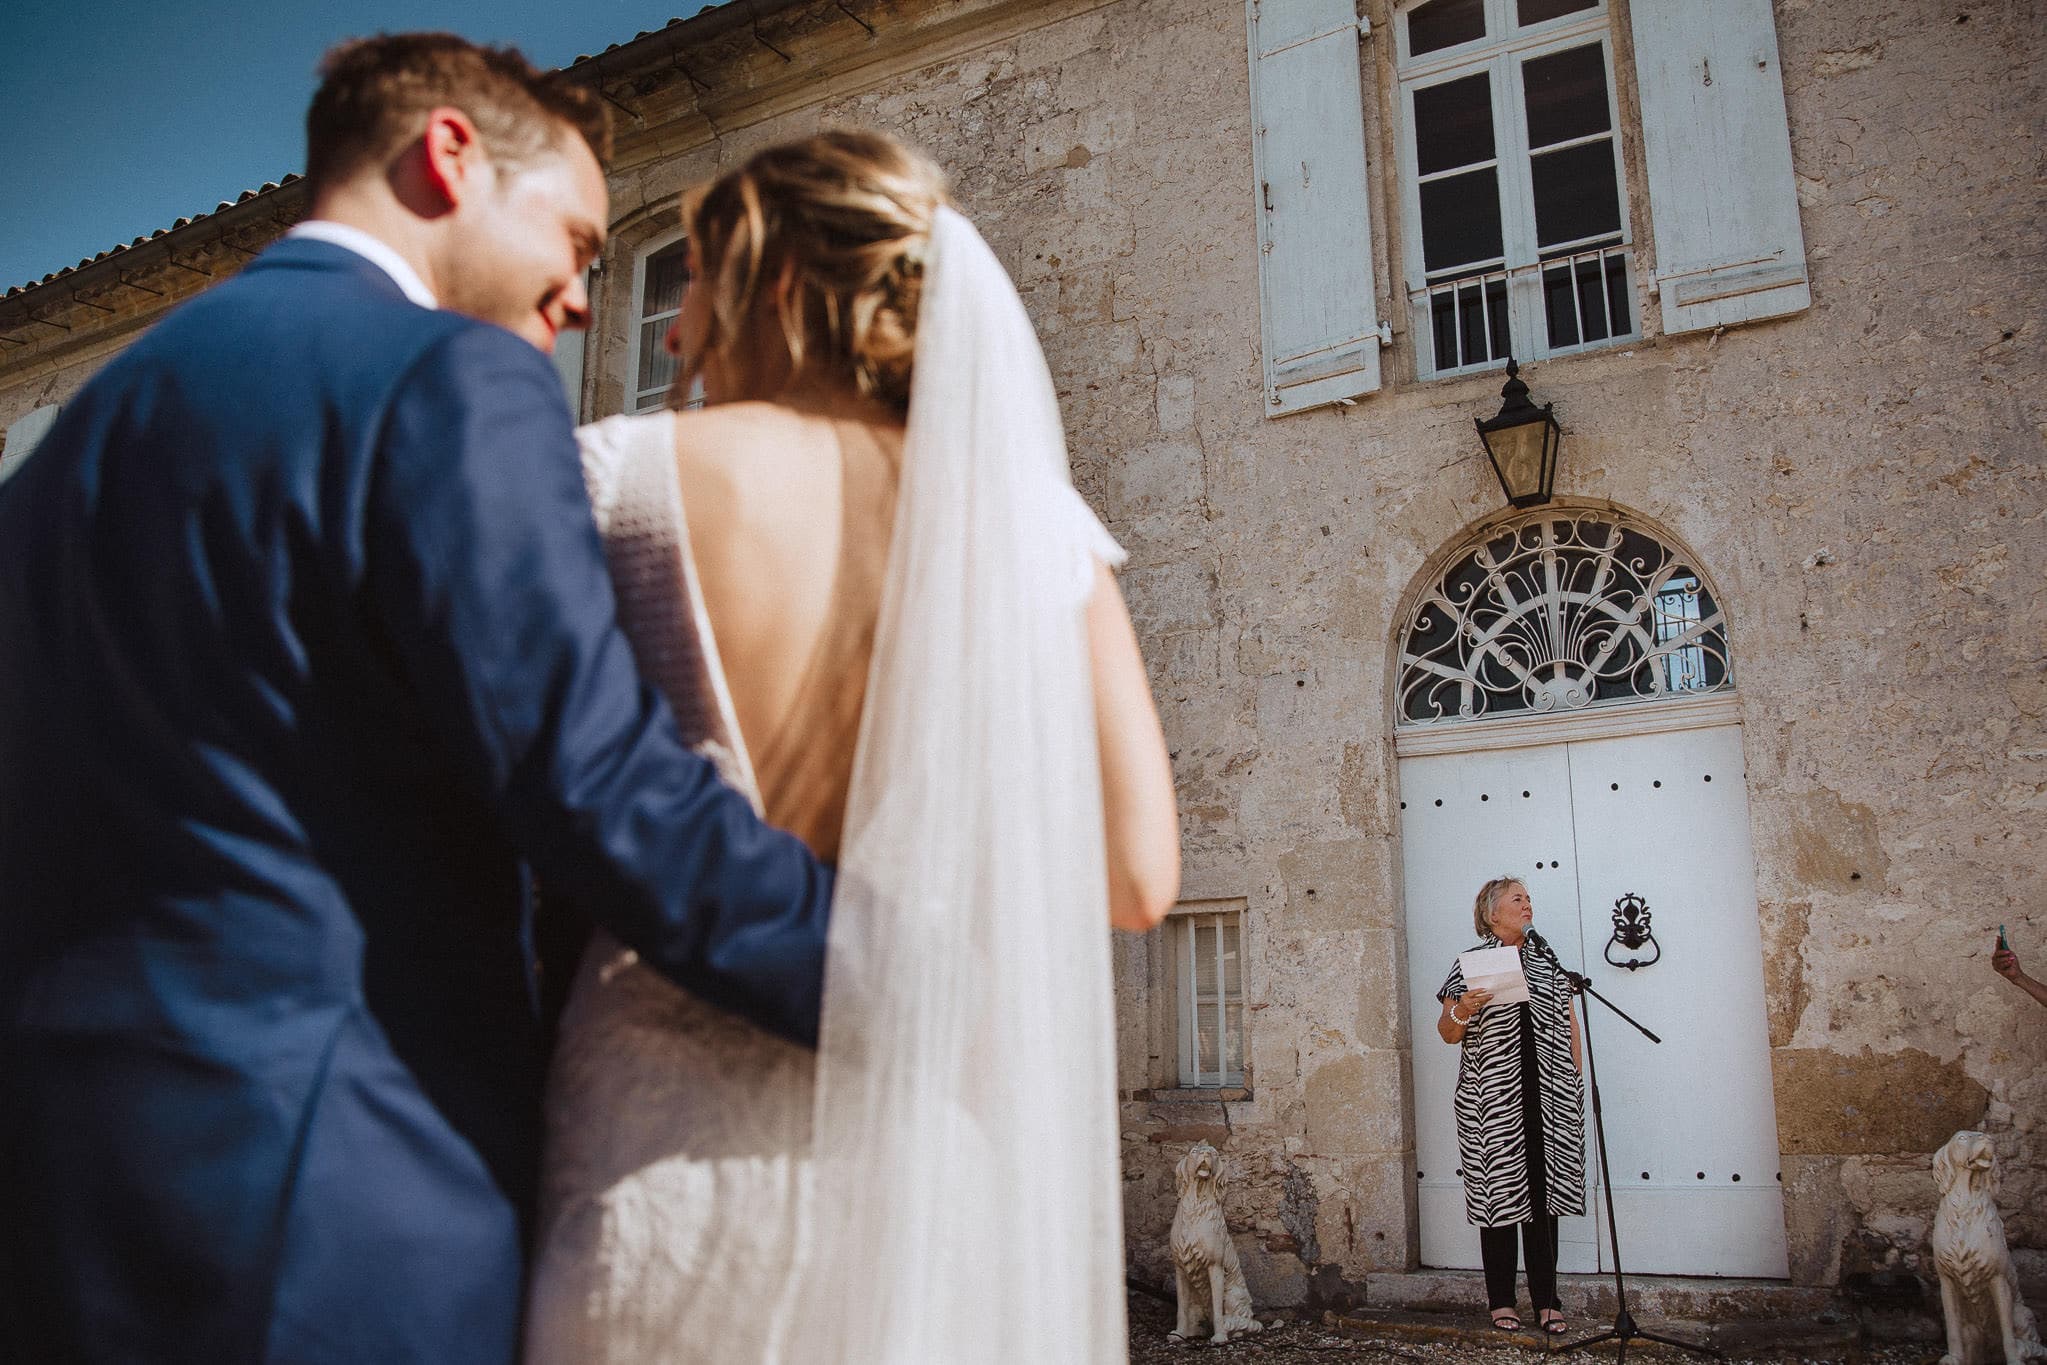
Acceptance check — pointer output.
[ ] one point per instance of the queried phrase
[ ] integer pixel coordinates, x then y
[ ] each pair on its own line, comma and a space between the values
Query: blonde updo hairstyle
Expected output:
1488, 898
845, 216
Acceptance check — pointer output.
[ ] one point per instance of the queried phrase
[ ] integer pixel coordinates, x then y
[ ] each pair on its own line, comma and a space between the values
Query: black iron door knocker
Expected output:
1631, 931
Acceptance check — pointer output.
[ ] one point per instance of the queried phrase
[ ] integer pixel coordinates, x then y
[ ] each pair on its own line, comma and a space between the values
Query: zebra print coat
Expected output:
1491, 1145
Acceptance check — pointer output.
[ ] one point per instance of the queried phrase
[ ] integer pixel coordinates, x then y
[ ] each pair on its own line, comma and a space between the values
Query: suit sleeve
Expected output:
485, 568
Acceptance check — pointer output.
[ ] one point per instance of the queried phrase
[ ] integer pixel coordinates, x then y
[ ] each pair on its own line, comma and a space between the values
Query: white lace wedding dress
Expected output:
939, 1182
677, 1134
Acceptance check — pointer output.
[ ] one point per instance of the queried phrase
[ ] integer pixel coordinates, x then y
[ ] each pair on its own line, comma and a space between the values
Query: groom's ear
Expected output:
452, 161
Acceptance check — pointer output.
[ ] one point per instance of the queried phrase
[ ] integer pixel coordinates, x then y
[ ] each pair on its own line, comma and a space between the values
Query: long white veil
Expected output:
966, 1197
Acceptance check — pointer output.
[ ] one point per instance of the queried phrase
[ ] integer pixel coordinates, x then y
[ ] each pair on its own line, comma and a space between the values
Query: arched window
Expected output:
1560, 610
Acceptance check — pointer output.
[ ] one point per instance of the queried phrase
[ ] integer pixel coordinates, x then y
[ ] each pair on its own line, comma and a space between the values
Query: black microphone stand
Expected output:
1624, 1329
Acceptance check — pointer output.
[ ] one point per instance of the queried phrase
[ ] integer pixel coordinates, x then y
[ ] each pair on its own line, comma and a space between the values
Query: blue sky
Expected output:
121, 116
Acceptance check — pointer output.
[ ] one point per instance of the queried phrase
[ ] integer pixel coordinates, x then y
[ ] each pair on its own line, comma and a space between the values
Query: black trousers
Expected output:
1537, 1236
1538, 1239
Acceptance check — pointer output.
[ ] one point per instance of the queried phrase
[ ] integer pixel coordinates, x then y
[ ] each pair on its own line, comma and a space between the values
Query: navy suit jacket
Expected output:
307, 655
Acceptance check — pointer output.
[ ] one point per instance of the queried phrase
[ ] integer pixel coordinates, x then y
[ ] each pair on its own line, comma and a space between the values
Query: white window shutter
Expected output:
569, 349
24, 435
1321, 309
1721, 195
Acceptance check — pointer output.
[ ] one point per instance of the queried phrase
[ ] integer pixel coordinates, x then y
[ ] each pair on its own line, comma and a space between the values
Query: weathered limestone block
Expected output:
1833, 1103
1355, 1104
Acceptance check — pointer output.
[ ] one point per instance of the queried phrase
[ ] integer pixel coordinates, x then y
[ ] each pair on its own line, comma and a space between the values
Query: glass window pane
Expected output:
1453, 124
1461, 219
1535, 11
1443, 324
1485, 328
1471, 323
1211, 1019
667, 273
1677, 611
1576, 194
1617, 300
1592, 308
1444, 23
1560, 306
657, 367
1566, 95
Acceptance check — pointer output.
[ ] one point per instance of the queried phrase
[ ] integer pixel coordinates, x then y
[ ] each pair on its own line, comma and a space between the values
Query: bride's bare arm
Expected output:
1139, 818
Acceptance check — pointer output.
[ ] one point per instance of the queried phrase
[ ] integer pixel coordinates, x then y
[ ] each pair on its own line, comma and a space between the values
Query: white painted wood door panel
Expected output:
1692, 1120
1464, 818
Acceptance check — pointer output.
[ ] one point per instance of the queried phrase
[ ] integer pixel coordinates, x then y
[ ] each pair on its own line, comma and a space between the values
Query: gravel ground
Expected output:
1311, 1343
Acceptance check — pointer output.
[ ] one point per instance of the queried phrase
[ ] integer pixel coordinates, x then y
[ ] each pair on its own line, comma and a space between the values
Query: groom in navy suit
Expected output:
308, 670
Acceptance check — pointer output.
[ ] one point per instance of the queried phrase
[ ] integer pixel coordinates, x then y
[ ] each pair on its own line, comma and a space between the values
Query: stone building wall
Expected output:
1864, 481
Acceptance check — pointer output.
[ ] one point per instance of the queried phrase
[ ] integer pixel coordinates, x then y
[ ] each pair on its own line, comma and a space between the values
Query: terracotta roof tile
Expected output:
243, 198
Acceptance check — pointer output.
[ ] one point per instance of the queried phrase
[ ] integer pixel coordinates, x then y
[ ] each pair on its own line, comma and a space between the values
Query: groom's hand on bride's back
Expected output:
490, 580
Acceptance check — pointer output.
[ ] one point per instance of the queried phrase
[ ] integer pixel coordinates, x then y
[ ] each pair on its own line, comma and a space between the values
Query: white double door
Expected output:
1690, 1122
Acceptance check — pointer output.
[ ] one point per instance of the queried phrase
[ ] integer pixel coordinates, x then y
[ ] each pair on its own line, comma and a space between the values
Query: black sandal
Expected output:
1506, 1320
1553, 1321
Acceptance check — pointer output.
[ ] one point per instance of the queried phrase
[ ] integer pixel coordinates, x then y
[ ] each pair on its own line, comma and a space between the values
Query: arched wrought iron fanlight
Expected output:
1556, 610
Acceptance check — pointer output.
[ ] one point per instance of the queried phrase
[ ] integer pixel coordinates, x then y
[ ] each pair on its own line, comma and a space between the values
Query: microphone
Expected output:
1541, 945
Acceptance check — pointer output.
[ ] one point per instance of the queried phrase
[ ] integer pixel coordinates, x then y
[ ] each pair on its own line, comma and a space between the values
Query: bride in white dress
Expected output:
863, 578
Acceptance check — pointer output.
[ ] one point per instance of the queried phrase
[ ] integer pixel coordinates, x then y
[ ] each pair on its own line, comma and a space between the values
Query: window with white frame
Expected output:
1512, 192
1209, 950
660, 273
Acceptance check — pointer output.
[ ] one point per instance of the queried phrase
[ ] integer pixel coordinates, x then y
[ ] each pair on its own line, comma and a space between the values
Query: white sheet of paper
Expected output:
1497, 970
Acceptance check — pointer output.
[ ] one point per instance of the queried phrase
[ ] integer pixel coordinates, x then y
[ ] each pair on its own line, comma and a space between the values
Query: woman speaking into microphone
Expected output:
1520, 1109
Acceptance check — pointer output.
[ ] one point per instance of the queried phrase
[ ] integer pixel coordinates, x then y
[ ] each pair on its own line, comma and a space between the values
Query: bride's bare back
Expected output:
790, 514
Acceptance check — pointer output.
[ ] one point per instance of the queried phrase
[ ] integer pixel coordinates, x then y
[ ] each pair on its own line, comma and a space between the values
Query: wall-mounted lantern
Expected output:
1522, 443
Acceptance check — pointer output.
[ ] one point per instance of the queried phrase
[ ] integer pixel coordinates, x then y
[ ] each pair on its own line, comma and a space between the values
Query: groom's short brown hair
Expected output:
375, 93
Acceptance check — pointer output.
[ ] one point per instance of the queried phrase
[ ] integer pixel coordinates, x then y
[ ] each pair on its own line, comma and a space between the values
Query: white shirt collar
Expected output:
372, 250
